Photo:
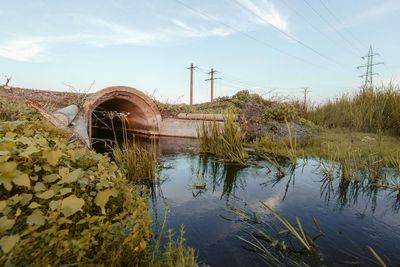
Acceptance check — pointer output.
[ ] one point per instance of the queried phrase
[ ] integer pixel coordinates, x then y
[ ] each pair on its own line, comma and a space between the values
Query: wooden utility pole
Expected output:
306, 90
191, 68
211, 79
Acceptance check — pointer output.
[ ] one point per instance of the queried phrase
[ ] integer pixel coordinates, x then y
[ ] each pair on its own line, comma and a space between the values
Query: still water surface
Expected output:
200, 192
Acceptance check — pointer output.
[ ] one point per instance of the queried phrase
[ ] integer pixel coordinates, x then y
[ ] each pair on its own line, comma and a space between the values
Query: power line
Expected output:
333, 27
290, 36
340, 21
313, 26
370, 63
252, 37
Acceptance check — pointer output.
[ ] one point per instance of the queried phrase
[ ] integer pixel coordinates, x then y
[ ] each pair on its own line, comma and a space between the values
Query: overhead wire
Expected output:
332, 26
333, 15
314, 27
253, 38
310, 48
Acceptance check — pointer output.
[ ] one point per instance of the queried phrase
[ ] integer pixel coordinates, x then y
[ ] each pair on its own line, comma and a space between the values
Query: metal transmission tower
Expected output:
370, 63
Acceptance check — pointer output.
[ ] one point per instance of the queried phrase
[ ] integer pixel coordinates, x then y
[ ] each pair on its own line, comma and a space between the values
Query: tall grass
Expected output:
135, 161
225, 142
374, 110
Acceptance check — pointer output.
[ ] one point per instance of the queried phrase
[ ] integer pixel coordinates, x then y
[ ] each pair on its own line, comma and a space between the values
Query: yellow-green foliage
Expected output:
280, 112
63, 204
11, 110
371, 110
225, 142
137, 163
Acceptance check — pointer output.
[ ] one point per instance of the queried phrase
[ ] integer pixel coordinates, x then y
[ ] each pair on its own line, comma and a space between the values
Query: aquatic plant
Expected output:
377, 257
136, 162
225, 142
277, 245
175, 252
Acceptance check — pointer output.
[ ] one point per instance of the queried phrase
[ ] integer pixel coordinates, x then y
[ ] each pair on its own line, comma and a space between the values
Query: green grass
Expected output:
225, 142
136, 162
374, 110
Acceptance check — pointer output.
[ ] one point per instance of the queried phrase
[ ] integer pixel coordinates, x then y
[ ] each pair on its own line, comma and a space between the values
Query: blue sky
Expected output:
273, 47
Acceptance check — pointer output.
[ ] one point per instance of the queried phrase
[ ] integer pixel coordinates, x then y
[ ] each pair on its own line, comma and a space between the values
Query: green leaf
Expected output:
102, 198
52, 156
28, 151
55, 204
7, 145
70, 205
46, 194
36, 218
8, 242
7, 172
6, 224
69, 177
34, 205
22, 180
39, 186
3, 205
26, 198
51, 178
65, 191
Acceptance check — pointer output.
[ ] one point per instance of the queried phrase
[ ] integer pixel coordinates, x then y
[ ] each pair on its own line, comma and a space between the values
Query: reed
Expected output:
136, 162
225, 142
369, 110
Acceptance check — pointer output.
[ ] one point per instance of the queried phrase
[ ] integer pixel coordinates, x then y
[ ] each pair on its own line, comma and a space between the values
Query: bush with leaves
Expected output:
11, 110
280, 112
62, 204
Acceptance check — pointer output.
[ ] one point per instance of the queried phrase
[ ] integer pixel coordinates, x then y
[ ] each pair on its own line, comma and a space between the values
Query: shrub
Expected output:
63, 204
280, 112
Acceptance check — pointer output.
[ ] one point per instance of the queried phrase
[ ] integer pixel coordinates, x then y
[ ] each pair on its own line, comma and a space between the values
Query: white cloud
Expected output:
265, 12
105, 33
21, 50
188, 31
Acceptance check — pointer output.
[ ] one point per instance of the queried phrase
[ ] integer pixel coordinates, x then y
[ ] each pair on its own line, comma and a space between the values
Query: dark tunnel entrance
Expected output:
119, 109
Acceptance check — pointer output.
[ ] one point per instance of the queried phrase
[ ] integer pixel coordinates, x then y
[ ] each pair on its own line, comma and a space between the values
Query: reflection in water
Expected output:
352, 213
206, 168
199, 189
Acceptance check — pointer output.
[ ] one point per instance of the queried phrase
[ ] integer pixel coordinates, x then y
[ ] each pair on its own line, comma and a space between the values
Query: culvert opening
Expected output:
112, 118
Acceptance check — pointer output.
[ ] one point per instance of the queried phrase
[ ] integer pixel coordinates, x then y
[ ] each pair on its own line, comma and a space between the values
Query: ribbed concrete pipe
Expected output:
66, 115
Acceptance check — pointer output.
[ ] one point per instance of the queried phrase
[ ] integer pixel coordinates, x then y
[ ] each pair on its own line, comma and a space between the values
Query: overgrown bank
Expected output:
62, 204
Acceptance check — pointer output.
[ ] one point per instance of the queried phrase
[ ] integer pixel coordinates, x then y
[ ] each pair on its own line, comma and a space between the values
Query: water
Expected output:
200, 191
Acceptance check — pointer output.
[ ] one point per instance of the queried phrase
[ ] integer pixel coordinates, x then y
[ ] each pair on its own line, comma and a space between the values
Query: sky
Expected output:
271, 47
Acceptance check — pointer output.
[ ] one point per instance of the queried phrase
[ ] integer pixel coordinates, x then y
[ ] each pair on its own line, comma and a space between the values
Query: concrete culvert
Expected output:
142, 115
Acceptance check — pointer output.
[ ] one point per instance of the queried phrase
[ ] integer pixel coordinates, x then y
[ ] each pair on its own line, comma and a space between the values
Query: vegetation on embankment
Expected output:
62, 204
375, 110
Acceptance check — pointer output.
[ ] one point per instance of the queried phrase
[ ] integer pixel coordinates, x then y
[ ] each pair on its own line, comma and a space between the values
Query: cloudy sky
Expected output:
268, 46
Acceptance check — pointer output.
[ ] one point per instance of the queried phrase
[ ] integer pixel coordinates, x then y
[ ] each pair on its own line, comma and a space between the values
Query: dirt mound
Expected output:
252, 121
